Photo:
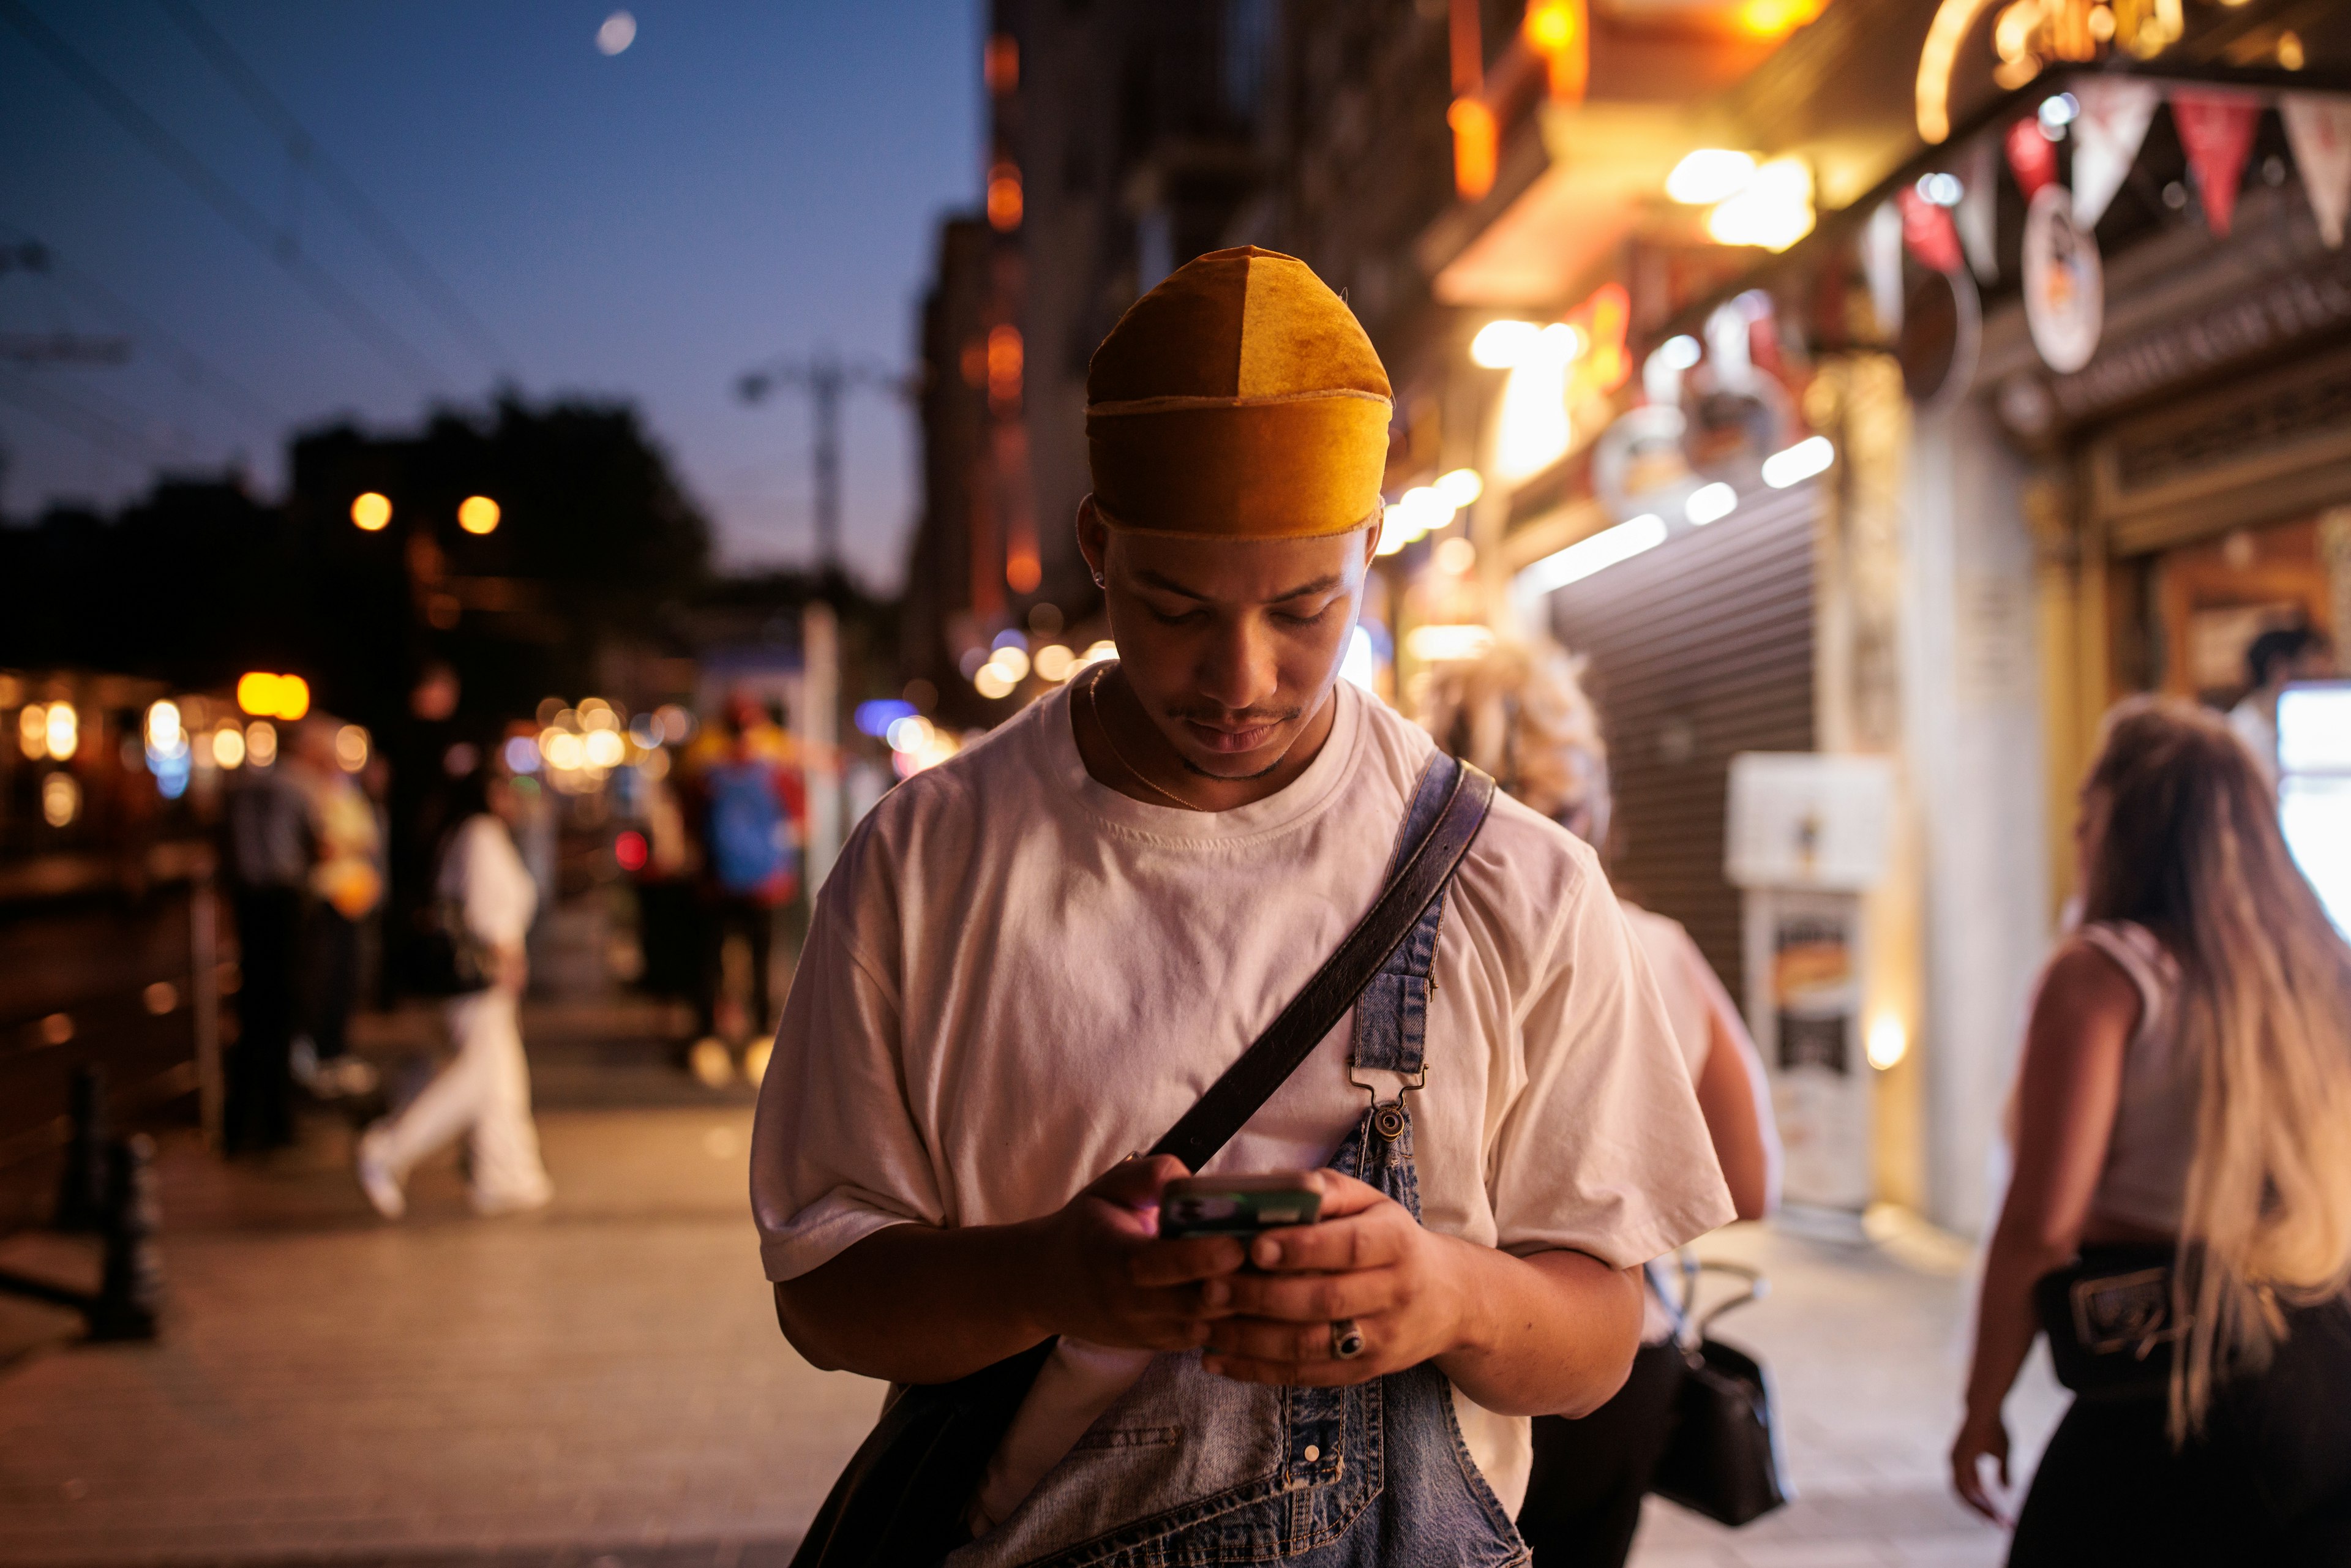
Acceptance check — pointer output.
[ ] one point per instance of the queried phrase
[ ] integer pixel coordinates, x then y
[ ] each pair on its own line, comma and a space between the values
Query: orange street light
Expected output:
478, 515
371, 511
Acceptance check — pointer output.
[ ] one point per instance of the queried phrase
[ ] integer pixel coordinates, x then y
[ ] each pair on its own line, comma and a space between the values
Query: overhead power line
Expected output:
100, 431
241, 215
193, 367
430, 288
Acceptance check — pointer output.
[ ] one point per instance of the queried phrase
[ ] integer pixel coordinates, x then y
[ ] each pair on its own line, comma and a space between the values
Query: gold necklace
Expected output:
1093, 705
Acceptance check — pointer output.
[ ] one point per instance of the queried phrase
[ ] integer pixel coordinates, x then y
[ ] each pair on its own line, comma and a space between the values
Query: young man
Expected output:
1030, 961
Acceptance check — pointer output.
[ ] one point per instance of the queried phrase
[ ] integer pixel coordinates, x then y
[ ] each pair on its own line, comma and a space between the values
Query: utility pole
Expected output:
826, 380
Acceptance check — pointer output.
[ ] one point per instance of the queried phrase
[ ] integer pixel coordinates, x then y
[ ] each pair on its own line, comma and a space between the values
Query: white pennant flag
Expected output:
1881, 265
1978, 215
2318, 128
2107, 134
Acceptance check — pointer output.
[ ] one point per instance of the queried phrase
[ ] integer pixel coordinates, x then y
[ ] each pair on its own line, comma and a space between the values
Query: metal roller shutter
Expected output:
1699, 649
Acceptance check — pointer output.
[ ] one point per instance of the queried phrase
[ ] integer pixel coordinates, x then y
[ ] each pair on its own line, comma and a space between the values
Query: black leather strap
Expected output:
1291, 1038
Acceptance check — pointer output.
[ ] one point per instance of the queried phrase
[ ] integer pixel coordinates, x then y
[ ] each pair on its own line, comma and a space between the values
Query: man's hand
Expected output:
1108, 1278
1367, 1259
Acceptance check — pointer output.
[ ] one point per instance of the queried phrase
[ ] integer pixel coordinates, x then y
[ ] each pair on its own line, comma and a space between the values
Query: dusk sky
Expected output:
742, 181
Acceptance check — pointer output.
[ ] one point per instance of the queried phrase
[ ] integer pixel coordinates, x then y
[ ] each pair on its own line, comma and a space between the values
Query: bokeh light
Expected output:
1055, 661
478, 515
371, 511
64, 731
61, 800
350, 747
228, 747
617, 33
603, 747
261, 743
266, 695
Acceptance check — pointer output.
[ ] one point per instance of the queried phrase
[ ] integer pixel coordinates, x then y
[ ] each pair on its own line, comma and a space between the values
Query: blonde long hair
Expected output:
1521, 713
2190, 848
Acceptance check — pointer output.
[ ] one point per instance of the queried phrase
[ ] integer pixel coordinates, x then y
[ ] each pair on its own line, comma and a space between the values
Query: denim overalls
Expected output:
1191, 1469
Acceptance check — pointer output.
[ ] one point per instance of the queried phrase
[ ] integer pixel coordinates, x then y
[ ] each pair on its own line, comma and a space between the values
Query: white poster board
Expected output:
1808, 834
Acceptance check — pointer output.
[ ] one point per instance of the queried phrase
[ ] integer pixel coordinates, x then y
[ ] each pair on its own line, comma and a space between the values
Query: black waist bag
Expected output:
902, 1501
2109, 1321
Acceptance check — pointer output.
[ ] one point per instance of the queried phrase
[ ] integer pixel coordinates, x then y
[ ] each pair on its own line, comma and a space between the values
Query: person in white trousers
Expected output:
484, 1092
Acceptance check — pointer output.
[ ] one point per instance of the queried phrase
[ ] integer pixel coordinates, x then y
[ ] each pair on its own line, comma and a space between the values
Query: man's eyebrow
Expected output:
1160, 580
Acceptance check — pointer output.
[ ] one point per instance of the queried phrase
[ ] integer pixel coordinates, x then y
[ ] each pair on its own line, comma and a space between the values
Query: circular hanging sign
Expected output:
1942, 331
2064, 286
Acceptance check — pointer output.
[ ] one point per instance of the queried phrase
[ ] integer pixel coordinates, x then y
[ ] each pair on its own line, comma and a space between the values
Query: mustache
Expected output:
1232, 718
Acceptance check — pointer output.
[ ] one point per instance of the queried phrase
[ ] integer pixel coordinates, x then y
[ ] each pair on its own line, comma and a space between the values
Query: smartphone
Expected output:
1237, 1205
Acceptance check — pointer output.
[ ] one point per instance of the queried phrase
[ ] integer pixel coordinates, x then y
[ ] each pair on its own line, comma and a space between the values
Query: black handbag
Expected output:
444, 957
1723, 1458
900, 1501
2108, 1315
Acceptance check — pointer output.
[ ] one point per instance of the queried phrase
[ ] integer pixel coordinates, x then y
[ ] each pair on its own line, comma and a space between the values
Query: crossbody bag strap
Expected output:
1419, 876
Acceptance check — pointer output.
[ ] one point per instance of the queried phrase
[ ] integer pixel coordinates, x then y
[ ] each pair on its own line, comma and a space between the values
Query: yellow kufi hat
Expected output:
1239, 399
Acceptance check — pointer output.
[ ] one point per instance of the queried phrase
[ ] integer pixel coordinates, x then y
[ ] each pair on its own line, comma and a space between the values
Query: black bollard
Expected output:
130, 1290
81, 1184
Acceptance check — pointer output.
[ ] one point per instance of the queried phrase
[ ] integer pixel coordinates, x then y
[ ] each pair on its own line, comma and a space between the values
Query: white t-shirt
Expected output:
1016, 976
484, 873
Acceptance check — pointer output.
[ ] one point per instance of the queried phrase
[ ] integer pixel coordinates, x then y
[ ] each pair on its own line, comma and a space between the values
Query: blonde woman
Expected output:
1521, 714
2184, 1111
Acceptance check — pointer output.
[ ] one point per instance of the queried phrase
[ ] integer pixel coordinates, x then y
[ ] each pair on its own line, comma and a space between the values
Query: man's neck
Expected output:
1124, 750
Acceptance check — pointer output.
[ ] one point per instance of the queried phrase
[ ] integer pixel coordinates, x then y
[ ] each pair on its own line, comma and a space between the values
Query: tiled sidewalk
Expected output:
603, 1385
1867, 1348
602, 1378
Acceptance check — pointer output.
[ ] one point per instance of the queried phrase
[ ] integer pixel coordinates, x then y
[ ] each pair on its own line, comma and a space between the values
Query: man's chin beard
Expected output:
1194, 768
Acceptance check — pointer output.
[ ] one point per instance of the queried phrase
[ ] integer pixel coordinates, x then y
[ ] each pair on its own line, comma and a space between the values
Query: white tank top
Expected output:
2144, 1183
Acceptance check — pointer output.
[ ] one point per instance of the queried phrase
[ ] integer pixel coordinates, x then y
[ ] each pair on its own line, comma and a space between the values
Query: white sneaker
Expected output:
376, 1178
345, 1078
489, 1206
302, 1063
712, 1064
755, 1059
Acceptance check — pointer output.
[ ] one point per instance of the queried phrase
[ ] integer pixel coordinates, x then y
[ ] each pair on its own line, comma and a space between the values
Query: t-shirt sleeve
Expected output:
835, 1152
1604, 1150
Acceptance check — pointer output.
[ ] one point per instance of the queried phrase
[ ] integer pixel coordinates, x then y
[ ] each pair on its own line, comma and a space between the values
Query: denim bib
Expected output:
1188, 1469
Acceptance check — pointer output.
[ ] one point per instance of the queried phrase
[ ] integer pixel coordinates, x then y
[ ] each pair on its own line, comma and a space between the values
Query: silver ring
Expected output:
1347, 1339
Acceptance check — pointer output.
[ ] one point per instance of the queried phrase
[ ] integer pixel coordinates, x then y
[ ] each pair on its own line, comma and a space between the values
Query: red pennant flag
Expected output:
1927, 230
2032, 156
2217, 129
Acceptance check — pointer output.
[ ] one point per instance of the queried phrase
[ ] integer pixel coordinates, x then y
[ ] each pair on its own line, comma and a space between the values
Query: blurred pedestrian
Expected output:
2273, 660
749, 803
346, 886
1039, 955
1521, 714
266, 822
484, 1092
2181, 1131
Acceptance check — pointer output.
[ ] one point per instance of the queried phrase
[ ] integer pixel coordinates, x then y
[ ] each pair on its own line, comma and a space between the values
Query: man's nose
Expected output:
1236, 670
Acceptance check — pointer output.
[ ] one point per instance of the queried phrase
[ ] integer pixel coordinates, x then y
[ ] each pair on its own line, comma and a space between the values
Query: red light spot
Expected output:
629, 849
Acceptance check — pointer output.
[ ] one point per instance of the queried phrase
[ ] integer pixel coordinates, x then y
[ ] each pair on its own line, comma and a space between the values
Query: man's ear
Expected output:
1094, 540
1371, 536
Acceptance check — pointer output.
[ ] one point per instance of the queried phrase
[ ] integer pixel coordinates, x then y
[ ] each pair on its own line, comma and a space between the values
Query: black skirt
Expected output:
2269, 1480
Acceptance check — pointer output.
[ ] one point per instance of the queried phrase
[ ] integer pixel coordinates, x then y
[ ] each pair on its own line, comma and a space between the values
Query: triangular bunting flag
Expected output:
2106, 136
2318, 128
2217, 129
1979, 211
1881, 266
2031, 156
1927, 231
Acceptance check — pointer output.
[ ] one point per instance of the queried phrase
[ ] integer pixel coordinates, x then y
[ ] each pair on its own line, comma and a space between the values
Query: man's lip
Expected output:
1216, 737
